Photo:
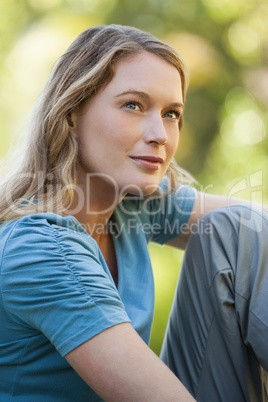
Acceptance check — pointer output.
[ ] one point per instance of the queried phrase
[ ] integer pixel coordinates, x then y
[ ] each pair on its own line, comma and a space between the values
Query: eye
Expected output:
132, 105
173, 114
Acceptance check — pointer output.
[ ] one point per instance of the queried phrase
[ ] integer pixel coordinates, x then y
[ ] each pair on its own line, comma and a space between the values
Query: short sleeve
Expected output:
55, 280
168, 215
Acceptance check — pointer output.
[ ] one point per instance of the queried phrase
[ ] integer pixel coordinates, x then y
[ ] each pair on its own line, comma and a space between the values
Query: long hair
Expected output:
47, 171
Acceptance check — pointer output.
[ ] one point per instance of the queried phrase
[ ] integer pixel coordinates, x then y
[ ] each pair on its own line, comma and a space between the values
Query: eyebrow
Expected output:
147, 97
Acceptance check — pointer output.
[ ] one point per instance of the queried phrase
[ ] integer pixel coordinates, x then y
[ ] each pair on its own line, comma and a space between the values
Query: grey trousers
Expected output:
217, 336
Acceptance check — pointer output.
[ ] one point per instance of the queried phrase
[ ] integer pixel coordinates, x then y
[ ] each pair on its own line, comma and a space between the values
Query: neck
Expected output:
94, 206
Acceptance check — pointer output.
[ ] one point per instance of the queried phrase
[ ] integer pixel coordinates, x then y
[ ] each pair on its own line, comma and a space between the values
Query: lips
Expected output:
148, 161
149, 158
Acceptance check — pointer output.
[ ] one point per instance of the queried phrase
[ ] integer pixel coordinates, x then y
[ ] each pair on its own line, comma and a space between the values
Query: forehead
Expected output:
149, 73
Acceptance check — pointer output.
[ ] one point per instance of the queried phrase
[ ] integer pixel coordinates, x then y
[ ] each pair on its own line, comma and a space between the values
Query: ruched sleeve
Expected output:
54, 280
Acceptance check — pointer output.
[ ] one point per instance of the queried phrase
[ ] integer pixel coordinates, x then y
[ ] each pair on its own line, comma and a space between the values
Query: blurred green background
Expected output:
224, 44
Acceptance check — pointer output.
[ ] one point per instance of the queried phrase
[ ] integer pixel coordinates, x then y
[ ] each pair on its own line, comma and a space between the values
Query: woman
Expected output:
95, 184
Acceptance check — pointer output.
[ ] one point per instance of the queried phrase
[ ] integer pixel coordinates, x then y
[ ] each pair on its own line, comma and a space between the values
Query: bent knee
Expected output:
234, 217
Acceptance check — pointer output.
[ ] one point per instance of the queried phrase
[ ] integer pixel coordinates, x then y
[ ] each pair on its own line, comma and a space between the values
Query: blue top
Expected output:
57, 292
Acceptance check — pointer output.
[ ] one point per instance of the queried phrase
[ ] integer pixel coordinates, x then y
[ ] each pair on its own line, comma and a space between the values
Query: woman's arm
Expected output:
205, 203
119, 366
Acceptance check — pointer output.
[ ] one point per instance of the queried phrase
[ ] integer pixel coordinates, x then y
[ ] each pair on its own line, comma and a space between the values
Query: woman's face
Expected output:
129, 131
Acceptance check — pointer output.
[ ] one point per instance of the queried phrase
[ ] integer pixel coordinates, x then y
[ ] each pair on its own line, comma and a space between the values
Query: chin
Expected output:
142, 190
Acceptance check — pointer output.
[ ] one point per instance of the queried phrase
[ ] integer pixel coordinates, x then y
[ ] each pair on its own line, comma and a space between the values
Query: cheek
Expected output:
172, 146
122, 136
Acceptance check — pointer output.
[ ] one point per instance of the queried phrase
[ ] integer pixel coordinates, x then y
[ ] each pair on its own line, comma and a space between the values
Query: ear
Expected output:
71, 120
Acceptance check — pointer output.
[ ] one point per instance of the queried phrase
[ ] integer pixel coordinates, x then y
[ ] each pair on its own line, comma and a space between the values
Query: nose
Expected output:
154, 130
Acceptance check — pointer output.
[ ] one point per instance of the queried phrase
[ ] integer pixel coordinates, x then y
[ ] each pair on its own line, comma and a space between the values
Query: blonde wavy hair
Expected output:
47, 171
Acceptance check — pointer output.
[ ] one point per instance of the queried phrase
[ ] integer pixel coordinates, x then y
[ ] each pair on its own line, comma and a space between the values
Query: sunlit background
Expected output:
225, 46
